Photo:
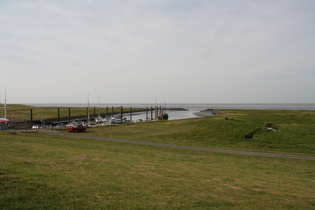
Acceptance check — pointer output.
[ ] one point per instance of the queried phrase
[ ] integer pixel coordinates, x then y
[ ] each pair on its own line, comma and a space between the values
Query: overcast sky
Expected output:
169, 51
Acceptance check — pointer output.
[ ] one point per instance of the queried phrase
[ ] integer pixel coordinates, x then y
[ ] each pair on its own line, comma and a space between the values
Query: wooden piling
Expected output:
69, 117
87, 114
31, 116
94, 113
58, 115
121, 113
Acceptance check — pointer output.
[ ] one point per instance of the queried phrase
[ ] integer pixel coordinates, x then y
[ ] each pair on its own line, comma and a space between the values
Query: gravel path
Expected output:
183, 147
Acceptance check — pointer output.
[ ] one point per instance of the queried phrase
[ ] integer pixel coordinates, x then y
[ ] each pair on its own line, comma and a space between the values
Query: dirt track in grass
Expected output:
182, 147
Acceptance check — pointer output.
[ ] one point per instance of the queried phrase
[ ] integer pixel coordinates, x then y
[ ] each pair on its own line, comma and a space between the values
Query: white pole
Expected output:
98, 110
88, 119
5, 102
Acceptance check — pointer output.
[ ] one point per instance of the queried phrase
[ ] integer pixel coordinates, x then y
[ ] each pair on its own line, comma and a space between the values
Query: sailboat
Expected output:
5, 120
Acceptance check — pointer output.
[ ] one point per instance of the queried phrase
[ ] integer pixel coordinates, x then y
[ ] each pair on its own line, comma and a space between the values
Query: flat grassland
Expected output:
291, 132
40, 171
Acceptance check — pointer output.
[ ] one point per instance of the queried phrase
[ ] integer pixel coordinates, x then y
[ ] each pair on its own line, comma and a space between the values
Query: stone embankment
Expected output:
208, 112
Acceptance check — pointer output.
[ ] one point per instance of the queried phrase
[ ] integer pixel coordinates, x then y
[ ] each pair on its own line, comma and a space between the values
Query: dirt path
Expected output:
182, 147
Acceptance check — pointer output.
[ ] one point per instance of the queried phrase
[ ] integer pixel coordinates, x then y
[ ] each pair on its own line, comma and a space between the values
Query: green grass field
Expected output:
40, 171
295, 131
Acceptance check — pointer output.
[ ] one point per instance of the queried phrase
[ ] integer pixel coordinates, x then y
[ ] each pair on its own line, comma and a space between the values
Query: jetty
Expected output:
91, 115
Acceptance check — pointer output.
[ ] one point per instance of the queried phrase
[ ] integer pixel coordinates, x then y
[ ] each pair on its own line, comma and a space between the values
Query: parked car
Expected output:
75, 127
36, 127
61, 125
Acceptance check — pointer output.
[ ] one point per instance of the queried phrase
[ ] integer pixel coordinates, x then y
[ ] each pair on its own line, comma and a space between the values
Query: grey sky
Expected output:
174, 51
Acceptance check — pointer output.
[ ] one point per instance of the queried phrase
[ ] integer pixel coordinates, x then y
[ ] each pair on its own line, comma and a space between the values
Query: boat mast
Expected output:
88, 117
98, 110
5, 102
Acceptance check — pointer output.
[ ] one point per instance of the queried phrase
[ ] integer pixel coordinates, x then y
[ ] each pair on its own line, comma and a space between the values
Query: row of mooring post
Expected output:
158, 111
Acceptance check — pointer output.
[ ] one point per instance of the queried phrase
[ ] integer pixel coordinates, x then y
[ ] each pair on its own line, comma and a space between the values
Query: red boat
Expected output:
4, 120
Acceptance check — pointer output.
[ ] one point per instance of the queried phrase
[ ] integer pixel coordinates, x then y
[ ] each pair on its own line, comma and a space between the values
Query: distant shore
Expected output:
191, 106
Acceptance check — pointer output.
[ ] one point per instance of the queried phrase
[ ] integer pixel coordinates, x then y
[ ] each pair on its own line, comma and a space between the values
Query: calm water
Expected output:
173, 115
191, 108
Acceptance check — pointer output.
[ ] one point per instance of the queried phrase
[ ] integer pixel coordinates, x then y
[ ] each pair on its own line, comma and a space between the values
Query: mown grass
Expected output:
39, 172
295, 133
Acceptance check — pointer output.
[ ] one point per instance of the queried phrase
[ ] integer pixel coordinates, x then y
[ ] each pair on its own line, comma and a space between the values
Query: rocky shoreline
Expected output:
208, 112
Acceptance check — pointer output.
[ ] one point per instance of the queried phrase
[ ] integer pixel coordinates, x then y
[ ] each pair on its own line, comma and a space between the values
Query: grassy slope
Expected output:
52, 172
295, 134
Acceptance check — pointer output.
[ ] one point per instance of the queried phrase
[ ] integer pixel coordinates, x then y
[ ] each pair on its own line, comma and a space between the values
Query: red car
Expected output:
76, 128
